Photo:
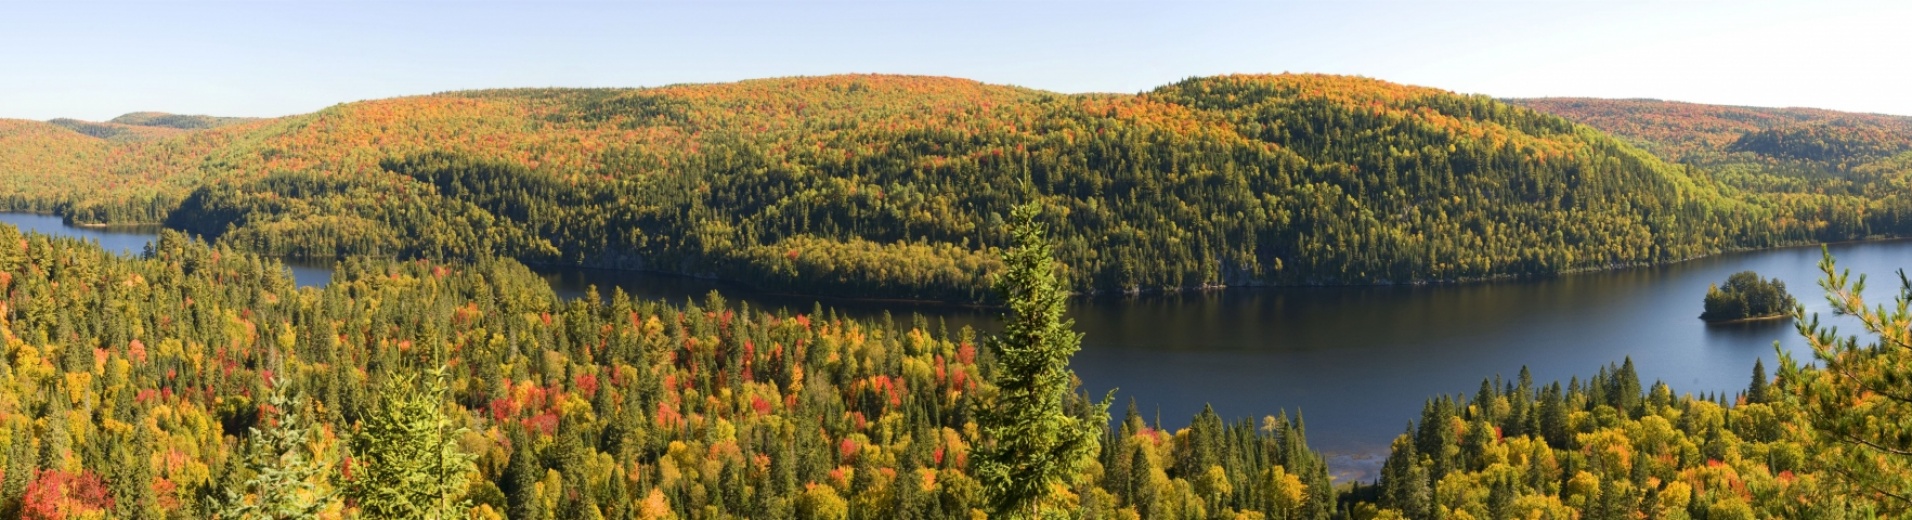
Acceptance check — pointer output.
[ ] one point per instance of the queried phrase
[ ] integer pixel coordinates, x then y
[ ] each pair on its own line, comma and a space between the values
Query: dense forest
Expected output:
1610, 448
1801, 161
1683, 131
140, 126
896, 186
197, 381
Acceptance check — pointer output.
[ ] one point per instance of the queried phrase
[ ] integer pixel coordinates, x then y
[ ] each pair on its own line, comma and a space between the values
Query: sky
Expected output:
95, 60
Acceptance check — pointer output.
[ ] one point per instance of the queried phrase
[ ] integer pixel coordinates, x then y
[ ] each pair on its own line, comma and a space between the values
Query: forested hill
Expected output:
1797, 160
139, 126
179, 121
893, 186
1681, 130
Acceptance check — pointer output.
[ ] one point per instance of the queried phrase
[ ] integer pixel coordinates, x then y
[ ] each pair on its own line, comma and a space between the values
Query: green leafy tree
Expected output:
409, 465
1860, 400
289, 480
1030, 443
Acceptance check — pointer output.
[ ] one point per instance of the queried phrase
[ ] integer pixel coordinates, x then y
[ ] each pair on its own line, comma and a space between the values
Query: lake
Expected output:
1356, 362
132, 240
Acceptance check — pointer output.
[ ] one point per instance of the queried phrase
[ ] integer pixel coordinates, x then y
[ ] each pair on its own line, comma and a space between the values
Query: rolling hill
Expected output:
894, 186
141, 126
1799, 160
116, 131
1685, 130
178, 121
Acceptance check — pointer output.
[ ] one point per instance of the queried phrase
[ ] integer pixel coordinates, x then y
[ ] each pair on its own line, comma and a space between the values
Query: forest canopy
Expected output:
896, 186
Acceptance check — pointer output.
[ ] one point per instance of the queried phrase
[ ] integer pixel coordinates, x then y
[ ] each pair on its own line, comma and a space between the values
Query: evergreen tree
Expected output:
1146, 496
130, 476
1859, 400
288, 480
520, 478
1624, 389
407, 461
1403, 478
20, 466
1552, 417
1758, 391
1029, 443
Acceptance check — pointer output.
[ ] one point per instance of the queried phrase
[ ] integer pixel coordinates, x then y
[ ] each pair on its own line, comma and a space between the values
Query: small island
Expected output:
1746, 297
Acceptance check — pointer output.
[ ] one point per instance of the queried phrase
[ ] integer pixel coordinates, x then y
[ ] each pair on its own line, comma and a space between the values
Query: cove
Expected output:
132, 240
1355, 362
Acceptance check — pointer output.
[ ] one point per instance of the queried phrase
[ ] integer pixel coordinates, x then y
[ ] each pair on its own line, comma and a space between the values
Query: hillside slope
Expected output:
117, 131
891, 186
41, 161
1681, 130
178, 121
1801, 161
52, 168
143, 126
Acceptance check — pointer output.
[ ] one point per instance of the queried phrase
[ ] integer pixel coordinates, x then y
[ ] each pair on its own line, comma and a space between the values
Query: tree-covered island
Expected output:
1747, 297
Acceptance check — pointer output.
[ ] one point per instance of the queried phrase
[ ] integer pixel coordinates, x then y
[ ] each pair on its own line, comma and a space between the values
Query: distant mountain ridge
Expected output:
179, 121
1679, 129
140, 126
1798, 160
893, 186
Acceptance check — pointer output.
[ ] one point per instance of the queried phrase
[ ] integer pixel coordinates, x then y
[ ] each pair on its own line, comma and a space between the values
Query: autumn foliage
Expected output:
895, 186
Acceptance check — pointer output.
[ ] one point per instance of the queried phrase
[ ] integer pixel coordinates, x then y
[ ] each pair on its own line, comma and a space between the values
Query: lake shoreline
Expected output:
552, 269
1131, 293
1100, 294
1749, 319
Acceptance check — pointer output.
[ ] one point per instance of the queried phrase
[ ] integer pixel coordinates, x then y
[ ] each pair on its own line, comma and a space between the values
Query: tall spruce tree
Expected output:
520, 478
288, 479
1030, 443
409, 464
1759, 391
19, 470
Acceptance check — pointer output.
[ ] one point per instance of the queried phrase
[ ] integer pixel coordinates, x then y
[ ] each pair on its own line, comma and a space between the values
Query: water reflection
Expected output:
572, 282
1730, 334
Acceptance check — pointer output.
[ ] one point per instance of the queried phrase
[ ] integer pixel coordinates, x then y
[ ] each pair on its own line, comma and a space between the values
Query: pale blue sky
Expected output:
95, 60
